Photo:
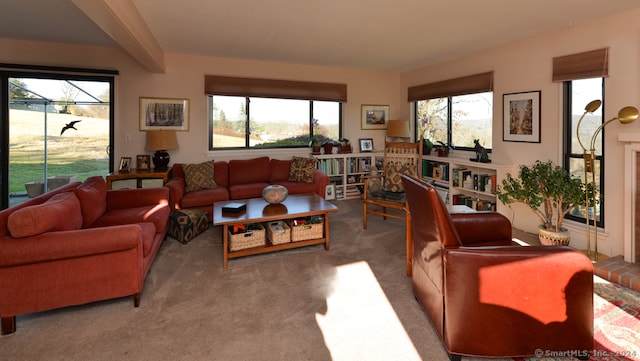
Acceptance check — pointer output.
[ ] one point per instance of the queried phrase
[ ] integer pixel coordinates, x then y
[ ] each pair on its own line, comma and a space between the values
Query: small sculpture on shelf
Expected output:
482, 155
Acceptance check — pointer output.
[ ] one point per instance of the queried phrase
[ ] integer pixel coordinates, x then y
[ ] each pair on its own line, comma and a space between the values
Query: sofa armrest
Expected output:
176, 191
482, 227
543, 291
321, 180
139, 197
51, 246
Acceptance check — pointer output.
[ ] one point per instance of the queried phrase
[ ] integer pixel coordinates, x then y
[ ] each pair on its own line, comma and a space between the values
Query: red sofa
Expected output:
240, 179
78, 244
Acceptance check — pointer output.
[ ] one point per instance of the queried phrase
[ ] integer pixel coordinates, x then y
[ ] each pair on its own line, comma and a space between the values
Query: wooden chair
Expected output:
383, 193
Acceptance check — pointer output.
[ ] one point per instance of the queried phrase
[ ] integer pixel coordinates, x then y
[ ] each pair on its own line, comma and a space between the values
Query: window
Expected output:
255, 122
456, 120
39, 149
577, 94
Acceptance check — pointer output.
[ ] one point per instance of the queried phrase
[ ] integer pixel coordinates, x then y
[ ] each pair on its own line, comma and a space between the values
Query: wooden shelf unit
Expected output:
466, 182
346, 170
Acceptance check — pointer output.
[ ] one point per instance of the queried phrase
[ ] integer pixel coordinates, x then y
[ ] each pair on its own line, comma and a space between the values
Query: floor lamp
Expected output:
625, 115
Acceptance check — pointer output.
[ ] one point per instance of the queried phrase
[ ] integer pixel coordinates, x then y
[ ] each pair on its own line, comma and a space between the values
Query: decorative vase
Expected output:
275, 194
328, 148
553, 238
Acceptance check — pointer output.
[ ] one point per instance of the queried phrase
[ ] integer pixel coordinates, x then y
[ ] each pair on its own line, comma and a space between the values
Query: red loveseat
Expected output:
240, 179
78, 244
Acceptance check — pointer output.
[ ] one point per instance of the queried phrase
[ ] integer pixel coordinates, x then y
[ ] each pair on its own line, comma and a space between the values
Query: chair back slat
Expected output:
405, 153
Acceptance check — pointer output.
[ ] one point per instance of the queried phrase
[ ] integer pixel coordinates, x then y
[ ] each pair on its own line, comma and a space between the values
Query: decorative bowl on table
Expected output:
275, 194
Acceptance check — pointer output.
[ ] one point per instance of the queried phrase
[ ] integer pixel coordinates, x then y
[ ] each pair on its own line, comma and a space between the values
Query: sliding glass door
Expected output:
58, 130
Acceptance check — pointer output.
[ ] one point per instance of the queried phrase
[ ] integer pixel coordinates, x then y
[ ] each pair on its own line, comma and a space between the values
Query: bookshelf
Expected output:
466, 182
346, 170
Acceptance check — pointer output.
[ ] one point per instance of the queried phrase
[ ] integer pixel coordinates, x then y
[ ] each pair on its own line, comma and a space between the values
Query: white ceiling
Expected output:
387, 35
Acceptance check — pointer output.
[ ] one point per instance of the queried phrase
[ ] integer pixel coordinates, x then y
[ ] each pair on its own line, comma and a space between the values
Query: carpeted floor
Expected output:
353, 302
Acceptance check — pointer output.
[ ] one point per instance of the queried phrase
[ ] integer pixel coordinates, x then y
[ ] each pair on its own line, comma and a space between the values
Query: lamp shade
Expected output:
398, 129
161, 140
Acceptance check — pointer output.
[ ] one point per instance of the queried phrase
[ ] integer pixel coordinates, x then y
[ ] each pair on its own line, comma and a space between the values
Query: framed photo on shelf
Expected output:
330, 192
366, 145
143, 161
164, 114
125, 164
374, 116
521, 117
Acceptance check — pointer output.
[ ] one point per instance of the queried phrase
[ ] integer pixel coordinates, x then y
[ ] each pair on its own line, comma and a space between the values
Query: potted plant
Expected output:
345, 145
442, 149
427, 146
315, 142
328, 146
550, 191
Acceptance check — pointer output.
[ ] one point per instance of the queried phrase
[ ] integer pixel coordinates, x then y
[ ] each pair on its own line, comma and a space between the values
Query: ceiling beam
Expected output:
122, 21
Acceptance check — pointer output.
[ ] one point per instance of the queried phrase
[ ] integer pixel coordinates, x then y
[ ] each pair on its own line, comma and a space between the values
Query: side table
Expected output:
138, 176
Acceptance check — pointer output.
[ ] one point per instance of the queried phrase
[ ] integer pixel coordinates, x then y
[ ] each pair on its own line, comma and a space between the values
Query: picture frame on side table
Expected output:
125, 164
374, 116
143, 161
330, 192
366, 145
164, 114
521, 117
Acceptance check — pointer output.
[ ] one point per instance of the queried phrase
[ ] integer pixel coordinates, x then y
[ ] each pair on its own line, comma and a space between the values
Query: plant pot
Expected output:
345, 149
443, 152
328, 148
553, 238
315, 149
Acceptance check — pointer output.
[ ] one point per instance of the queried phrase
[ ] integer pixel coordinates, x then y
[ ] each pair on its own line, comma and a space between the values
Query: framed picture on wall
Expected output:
374, 116
521, 117
164, 114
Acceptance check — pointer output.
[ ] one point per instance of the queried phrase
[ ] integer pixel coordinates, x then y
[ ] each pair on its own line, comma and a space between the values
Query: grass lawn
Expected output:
81, 152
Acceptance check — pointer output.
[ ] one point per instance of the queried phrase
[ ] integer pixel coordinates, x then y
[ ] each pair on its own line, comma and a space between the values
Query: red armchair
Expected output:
489, 298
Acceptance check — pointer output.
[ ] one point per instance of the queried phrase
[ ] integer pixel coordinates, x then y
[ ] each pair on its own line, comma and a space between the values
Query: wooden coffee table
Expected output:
258, 211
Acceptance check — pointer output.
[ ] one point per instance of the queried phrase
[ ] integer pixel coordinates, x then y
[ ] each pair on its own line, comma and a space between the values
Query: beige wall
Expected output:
526, 66
520, 66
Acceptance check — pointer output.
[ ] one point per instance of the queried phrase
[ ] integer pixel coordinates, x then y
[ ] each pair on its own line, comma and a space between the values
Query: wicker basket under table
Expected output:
249, 239
304, 232
277, 236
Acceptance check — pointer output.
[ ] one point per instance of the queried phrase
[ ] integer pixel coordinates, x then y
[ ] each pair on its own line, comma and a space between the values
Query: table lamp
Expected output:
160, 141
398, 129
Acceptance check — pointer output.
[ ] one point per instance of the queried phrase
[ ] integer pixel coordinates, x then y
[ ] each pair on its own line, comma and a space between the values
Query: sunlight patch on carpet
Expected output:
360, 323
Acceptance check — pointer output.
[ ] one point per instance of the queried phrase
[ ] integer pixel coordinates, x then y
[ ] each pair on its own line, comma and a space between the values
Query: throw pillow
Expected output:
393, 179
92, 194
199, 176
59, 213
302, 169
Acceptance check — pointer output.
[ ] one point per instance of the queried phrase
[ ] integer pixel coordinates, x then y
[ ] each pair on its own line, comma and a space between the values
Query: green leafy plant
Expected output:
547, 189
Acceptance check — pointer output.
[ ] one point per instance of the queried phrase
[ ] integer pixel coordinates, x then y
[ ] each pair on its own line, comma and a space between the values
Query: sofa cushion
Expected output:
92, 194
279, 170
204, 197
302, 169
60, 213
199, 176
393, 179
244, 191
157, 214
247, 171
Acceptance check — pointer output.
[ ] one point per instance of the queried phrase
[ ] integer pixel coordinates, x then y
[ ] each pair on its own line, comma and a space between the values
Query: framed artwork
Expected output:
374, 116
164, 113
521, 117
143, 161
125, 164
330, 192
366, 145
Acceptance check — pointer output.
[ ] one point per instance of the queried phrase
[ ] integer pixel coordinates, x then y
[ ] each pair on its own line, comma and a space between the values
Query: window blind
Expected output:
273, 88
477, 83
589, 64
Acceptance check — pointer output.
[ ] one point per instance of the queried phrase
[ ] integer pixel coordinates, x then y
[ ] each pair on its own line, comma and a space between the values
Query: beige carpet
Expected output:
353, 302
